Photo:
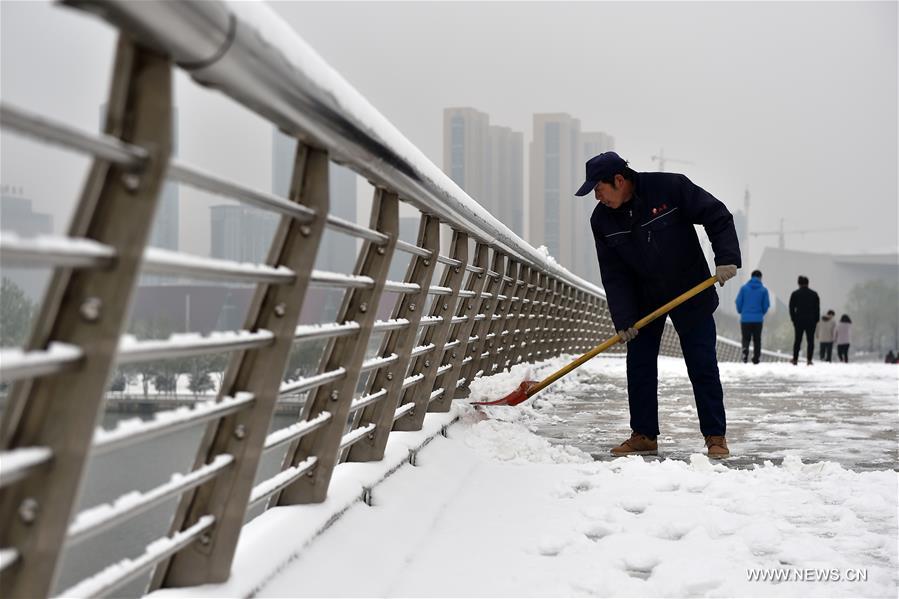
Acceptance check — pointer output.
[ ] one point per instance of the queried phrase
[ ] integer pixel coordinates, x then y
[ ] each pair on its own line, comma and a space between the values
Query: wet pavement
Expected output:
841, 413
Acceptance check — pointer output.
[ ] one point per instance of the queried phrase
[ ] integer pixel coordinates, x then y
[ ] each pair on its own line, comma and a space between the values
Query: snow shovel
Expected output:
528, 388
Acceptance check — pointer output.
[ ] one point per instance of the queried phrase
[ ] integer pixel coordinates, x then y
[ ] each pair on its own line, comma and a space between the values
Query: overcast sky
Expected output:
796, 100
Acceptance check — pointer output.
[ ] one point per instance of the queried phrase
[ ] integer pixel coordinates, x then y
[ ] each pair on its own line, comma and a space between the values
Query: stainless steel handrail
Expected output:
289, 84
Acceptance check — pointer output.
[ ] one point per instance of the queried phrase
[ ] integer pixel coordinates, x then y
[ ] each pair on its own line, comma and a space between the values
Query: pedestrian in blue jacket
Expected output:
752, 305
649, 253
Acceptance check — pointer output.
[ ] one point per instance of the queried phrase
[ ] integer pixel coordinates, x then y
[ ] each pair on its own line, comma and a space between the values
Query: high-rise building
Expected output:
556, 216
558, 219
487, 162
594, 143
505, 177
18, 216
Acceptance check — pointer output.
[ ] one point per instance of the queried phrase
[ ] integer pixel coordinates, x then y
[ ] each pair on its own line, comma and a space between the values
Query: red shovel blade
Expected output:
512, 399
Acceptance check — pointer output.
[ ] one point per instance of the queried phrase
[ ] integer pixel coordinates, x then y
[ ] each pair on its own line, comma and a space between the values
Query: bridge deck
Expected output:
497, 510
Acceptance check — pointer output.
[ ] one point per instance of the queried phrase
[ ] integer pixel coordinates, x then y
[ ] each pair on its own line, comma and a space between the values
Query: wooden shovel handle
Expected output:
617, 338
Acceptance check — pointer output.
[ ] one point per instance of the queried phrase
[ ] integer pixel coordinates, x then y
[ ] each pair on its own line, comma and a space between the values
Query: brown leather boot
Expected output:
717, 446
638, 444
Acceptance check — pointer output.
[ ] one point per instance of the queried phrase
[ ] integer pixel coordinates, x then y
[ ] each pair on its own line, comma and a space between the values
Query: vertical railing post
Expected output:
487, 308
88, 309
462, 332
427, 364
546, 319
569, 334
275, 308
360, 306
518, 319
535, 323
593, 320
503, 310
556, 319
411, 307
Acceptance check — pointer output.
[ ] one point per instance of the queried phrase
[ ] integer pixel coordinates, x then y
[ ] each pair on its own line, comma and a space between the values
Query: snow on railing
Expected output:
15, 464
114, 576
134, 430
101, 517
16, 363
295, 431
280, 480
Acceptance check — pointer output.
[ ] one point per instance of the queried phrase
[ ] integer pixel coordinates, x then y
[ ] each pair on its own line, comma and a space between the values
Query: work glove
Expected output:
725, 272
628, 334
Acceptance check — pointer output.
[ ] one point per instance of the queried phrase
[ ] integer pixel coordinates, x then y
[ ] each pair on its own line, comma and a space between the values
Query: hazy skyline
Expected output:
796, 100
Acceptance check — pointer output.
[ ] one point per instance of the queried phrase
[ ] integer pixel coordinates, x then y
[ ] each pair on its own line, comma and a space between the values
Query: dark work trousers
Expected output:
826, 351
752, 330
800, 329
698, 345
843, 352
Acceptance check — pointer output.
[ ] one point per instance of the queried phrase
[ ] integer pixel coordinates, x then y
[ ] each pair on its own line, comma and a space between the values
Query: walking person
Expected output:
825, 335
805, 311
752, 305
649, 253
844, 337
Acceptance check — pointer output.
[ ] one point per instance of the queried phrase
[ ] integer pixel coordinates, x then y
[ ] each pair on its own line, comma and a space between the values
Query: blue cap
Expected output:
601, 167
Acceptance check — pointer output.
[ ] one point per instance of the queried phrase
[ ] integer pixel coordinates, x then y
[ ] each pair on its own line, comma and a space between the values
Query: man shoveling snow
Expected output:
649, 252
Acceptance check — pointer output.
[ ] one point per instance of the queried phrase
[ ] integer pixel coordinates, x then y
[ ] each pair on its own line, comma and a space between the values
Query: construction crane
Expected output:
662, 159
781, 233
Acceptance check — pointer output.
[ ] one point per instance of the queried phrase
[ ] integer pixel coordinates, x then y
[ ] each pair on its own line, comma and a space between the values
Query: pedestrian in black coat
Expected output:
805, 312
649, 253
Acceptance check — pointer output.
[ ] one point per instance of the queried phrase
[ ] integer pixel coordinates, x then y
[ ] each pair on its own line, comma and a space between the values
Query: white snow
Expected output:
496, 510
55, 249
356, 434
294, 431
133, 428
134, 502
108, 579
8, 558
282, 479
15, 460
314, 330
132, 349
15, 362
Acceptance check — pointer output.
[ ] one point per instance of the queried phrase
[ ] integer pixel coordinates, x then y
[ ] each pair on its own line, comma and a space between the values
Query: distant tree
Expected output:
119, 381
217, 365
199, 377
16, 312
874, 309
151, 370
165, 382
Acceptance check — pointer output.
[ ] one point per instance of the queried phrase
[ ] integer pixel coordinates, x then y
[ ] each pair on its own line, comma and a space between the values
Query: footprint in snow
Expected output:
553, 545
598, 530
634, 505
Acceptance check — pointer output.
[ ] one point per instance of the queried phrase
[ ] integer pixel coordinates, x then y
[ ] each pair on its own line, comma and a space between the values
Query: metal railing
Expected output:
492, 302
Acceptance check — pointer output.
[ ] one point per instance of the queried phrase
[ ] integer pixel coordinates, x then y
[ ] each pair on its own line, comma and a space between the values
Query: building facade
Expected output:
487, 162
557, 218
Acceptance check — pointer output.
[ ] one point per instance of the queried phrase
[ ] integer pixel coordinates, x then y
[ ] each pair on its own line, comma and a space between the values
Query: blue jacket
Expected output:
752, 301
649, 253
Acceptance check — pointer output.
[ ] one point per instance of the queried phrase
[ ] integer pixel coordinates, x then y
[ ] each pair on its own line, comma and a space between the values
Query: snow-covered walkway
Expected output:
495, 509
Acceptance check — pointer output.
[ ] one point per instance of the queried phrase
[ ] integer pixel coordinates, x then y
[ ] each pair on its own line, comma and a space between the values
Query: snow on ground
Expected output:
495, 509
